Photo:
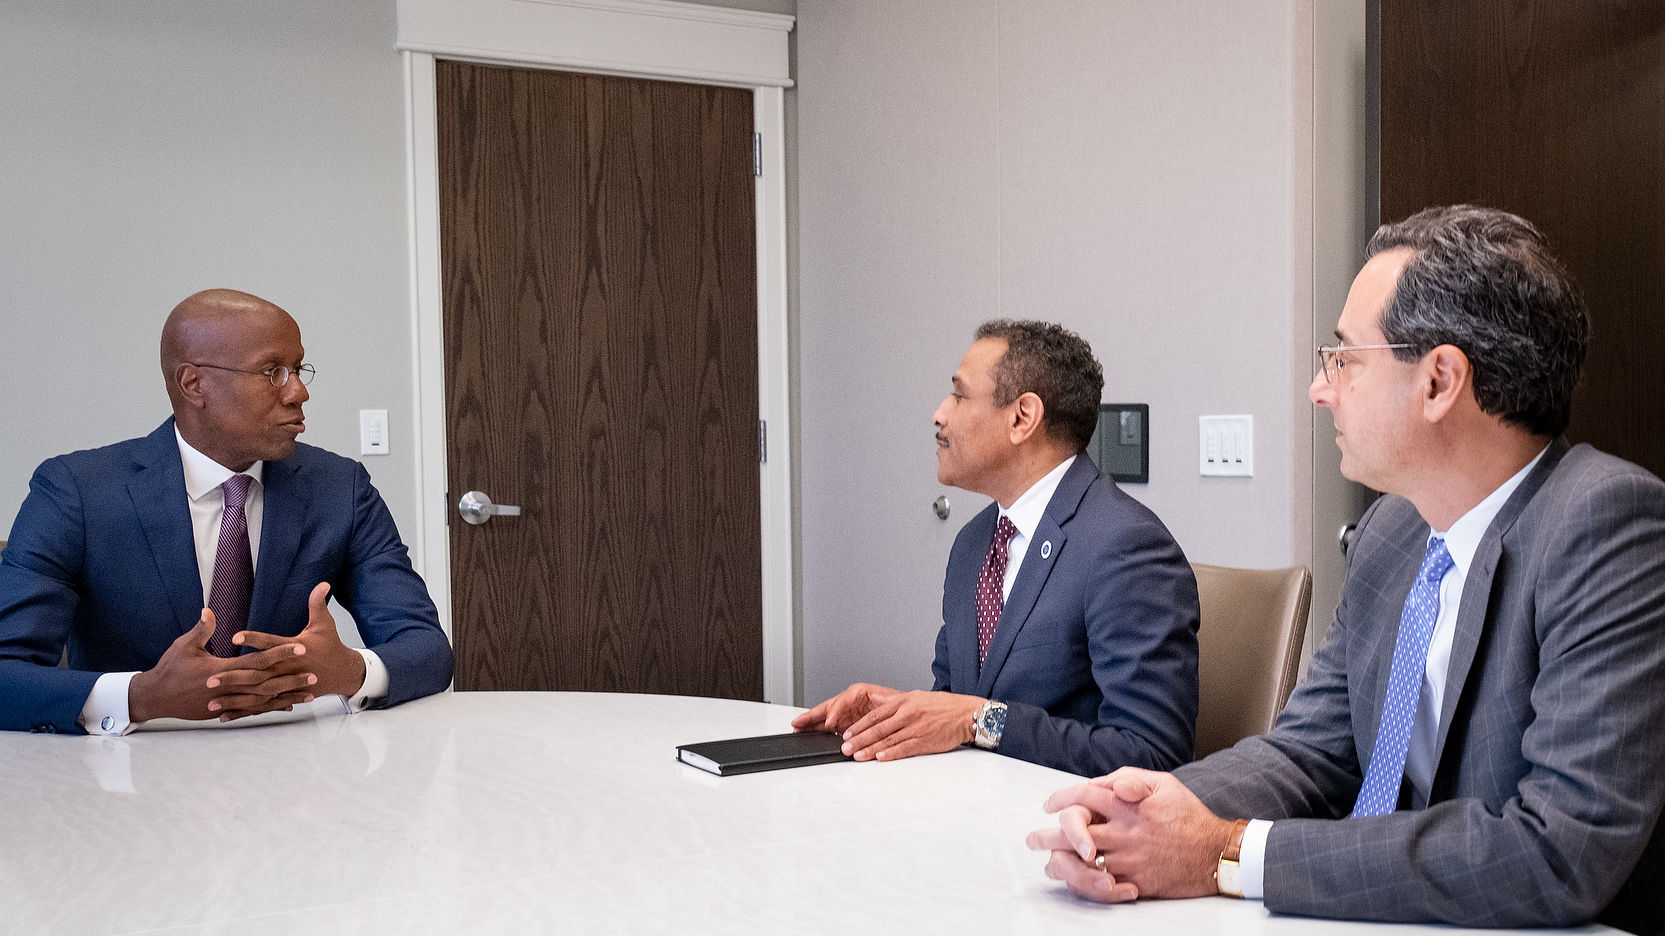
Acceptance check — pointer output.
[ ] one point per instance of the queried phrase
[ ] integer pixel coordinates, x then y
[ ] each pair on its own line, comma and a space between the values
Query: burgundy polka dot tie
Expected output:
233, 585
991, 588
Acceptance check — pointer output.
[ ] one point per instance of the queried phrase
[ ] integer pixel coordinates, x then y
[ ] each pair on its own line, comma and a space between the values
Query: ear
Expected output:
1447, 380
187, 378
1026, 414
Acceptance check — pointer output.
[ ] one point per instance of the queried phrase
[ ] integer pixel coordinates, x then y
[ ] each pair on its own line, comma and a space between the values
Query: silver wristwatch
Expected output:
989, 723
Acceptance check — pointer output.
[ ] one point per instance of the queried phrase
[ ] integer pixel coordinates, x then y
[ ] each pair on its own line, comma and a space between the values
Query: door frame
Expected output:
637, 39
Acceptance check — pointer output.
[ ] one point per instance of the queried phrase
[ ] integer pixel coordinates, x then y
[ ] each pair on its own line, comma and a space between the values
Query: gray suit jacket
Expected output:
1550, 770
1096, 651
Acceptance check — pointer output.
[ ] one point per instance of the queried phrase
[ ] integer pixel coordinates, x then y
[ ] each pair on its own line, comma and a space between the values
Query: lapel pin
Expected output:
1046, 550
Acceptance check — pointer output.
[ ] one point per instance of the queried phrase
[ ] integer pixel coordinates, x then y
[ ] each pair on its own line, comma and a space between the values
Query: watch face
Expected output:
994, 720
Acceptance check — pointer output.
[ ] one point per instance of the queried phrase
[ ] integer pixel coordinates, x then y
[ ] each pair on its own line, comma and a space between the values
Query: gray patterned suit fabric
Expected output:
1545, 802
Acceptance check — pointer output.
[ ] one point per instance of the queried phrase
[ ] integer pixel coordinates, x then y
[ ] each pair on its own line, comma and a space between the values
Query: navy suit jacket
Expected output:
1547, 791
101, 559
1096, 651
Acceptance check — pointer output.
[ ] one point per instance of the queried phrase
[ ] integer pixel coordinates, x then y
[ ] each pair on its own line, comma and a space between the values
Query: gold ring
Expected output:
1098, 862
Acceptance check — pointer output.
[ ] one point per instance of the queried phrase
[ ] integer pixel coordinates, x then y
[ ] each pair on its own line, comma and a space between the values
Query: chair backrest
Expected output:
1249, 647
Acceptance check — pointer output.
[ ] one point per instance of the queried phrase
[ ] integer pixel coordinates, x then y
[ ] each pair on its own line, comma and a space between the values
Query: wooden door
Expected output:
601, 359
1555, 110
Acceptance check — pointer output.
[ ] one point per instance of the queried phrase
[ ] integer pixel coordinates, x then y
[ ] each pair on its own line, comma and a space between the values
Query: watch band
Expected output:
1227, 877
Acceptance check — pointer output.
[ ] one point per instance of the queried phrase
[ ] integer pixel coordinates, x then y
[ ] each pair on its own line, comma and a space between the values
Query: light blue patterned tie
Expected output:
1380, 793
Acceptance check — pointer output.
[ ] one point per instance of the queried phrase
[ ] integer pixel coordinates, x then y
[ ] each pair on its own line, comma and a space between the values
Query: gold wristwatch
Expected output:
1226, 877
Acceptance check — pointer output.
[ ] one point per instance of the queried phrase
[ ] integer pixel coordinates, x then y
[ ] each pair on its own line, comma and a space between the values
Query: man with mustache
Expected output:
1069, 633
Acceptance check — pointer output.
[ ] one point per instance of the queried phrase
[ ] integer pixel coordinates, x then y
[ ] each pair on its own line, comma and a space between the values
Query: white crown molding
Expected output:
692, 12
643, 38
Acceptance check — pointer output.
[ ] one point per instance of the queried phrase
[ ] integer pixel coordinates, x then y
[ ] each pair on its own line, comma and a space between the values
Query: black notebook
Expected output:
769, 752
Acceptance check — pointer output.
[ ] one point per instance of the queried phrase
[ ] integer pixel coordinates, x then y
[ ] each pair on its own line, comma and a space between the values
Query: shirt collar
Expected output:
1025, 512
203, 474
1462, 540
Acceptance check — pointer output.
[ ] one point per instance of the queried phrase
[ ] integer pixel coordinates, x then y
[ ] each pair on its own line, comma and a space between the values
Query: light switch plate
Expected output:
372, 432
1226, 446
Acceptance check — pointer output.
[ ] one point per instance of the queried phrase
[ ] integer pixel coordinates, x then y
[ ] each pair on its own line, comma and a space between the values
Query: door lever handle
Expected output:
476, 508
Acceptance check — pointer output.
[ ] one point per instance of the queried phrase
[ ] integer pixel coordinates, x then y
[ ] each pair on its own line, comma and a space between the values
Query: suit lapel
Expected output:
1471, 623
962, 620
157, 491
283, 500
1477, 590
1393, 597
1038, 560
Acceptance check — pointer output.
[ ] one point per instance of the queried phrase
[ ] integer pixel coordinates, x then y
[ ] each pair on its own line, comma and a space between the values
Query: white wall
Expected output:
1125, 168
1343, 219
152, 148
1132, 169
155, 148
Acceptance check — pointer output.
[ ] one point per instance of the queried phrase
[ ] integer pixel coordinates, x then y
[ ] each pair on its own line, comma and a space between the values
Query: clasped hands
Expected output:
879, 723
190, 683
1132, 833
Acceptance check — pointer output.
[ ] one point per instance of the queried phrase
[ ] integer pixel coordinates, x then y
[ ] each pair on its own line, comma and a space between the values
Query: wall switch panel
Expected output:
372, 432
1226, 446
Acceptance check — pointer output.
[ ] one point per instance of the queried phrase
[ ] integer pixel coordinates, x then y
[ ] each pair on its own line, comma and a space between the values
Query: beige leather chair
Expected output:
1253, 622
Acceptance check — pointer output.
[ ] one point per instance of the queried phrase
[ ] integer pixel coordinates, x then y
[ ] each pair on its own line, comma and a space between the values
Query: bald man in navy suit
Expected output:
110, 561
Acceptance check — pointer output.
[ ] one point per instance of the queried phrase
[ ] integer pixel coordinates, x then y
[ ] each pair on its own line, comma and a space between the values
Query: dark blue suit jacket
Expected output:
101, 559
1096, 652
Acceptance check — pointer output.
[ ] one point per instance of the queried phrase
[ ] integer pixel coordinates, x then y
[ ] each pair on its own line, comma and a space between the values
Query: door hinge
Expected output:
762, 442
757, 154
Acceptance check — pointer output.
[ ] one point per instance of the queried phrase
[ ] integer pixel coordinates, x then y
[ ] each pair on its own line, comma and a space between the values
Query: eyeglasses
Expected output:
1334, 365
278, 375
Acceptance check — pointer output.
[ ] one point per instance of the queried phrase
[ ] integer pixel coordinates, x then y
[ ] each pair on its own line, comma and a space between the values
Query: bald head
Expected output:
199, 327
219, 347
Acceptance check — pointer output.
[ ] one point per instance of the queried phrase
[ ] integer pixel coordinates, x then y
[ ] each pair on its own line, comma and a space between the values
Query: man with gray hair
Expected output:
1477, 741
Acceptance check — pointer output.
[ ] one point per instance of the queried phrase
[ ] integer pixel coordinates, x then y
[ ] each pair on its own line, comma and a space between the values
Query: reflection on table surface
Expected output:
536, 812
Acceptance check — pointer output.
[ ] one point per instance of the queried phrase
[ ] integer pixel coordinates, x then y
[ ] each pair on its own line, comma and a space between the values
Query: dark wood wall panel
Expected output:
1553, 109
601, 372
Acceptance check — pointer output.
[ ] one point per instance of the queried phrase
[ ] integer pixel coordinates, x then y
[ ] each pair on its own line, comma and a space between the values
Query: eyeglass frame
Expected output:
303, 372
1327, 353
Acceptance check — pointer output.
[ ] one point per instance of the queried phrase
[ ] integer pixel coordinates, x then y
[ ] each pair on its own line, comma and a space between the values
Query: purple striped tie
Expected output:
228, 594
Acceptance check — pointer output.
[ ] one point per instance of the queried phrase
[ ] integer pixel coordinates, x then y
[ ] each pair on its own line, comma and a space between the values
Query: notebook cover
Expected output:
769, 752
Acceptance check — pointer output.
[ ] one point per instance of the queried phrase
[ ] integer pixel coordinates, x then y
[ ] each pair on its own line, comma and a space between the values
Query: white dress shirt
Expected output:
1461, 541
105, 711
1025, 514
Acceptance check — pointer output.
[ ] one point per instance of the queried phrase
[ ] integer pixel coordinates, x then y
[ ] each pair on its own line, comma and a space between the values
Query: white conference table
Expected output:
538, 813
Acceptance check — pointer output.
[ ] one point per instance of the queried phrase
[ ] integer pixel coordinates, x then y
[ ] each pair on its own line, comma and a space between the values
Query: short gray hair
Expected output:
1484, 281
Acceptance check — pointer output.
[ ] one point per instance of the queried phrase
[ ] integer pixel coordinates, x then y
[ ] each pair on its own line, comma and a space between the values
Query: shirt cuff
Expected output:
1251, 860
105, 712
375, 682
